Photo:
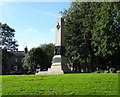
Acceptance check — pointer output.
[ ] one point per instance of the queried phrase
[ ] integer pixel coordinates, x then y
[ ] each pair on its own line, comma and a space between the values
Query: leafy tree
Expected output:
106, 34
78, 33
49, 49
8, 42
5, 56
91, 32
7, 35
34, 58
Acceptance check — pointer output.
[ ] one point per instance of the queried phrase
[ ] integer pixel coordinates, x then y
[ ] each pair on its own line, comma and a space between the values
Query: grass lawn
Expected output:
63, 84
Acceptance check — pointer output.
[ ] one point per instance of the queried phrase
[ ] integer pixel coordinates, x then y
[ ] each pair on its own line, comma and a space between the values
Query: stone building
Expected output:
15, 62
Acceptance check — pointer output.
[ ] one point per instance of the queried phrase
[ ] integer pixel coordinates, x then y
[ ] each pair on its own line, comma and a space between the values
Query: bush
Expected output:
30, 72
17, 72
99, 71
118, 71
111, 70
106, 71
102, 71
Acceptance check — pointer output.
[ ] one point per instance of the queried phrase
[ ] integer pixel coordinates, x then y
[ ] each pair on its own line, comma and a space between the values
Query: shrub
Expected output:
17, 72
102, 71
99, 71
106, 71
118, 71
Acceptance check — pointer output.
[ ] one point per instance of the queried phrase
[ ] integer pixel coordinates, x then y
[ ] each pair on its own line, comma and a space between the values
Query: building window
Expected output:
15, 68
16, 59
21, 60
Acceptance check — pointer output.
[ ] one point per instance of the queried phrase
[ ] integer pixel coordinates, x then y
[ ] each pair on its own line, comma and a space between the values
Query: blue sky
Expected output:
34, 22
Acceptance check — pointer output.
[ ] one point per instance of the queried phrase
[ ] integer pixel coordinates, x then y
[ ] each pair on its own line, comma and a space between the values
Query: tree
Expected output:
106, 34
7, 35
8, 42
49, 49
34, 58
78, 26
91, 31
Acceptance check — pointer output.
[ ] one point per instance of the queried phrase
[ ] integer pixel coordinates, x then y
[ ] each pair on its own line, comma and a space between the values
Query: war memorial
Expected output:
59, 62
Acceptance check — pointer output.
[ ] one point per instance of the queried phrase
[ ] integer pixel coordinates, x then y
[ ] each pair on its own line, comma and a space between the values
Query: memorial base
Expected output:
59, 66
55, 69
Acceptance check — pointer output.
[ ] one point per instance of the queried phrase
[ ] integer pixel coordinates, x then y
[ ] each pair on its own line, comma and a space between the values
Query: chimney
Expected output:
26, 50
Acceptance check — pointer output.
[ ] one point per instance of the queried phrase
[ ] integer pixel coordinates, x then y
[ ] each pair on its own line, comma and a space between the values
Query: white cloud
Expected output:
52, 29
31, 30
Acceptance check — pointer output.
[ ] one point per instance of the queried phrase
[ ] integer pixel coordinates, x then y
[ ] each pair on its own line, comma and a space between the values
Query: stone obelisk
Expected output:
59, 64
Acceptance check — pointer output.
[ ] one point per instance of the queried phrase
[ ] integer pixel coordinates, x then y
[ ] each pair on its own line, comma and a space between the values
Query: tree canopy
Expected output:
8, 43
49, 49
39, 57
92, 35
7, 34
34, 58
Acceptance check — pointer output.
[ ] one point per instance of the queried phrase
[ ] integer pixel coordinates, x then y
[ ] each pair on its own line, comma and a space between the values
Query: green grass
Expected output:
64, 84
0, 86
